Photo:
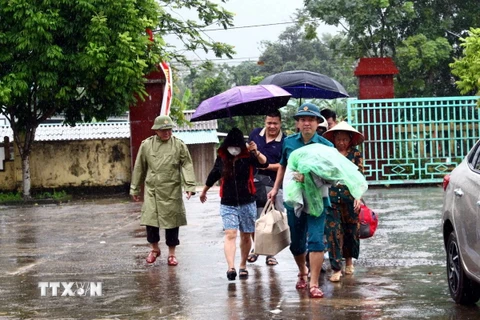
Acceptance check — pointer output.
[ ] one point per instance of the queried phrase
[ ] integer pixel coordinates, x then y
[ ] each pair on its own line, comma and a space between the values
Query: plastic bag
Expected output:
326, 163
368, 222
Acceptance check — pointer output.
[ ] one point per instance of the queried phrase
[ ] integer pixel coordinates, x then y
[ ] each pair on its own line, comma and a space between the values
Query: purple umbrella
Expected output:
242, 101
307, 84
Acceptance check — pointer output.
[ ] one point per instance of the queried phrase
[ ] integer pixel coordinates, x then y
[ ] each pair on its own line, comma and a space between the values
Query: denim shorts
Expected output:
240, 217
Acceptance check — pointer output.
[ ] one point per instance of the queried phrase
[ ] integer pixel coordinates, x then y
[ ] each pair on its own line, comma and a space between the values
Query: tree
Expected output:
378, 28
467, 68
246, 73
418, 59
293, 51
84, 59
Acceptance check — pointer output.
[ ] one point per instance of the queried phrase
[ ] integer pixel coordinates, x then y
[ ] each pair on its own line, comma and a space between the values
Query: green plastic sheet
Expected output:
319, 161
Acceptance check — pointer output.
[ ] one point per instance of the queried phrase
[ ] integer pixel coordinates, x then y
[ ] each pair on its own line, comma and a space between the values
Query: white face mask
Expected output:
234, 151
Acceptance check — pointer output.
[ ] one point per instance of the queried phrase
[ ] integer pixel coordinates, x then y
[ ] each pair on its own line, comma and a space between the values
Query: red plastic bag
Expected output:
368, 222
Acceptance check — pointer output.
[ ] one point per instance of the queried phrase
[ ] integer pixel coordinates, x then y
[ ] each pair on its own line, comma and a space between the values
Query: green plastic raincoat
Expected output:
163, 166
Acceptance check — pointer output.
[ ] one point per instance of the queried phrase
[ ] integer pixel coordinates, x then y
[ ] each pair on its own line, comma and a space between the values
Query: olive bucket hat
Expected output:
162, 122
307, 110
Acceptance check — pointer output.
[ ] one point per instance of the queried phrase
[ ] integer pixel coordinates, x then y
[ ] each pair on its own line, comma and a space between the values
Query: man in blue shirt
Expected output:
306, 231
269, 141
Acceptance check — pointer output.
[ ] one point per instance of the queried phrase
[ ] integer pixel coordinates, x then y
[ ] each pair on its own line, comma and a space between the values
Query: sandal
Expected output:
271, 261
349, 269
301, 283
336, 275
315, 292
152, 256
252, 257
172, 261
231, 274
243, 273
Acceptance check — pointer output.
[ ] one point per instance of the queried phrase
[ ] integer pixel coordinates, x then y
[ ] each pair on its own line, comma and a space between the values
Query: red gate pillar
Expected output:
375, 77
144, 112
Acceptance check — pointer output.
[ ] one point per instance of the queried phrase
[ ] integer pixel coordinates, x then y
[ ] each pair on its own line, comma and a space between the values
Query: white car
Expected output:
461, 228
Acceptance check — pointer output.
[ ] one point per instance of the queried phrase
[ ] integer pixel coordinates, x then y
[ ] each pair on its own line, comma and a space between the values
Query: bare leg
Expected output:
349, 268
245, 245
171, 251
155, 247
230, 247
316, 261
302, 267
348, 261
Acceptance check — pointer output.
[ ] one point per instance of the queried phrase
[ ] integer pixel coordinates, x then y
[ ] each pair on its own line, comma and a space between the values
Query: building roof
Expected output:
197, 137
198, 133
375, 66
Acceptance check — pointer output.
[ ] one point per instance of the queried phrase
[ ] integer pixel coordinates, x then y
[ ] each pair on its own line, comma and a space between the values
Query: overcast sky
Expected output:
248, 13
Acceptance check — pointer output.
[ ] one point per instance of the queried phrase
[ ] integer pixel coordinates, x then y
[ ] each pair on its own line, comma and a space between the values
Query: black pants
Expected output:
171, 236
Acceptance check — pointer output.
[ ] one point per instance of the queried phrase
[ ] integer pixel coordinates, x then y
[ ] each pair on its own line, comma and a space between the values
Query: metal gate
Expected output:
414, 141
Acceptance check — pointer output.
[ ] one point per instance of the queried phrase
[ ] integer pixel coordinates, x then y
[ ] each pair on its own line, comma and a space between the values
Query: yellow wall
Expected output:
86, 163
7, 177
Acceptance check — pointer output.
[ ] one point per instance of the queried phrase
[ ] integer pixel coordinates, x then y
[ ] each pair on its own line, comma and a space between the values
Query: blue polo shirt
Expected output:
272, 150
295, 141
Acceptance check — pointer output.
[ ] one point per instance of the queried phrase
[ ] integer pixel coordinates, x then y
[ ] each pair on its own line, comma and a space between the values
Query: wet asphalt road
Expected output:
400, 273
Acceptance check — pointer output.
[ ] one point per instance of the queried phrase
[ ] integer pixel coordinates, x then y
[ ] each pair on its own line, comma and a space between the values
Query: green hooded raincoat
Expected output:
164, 166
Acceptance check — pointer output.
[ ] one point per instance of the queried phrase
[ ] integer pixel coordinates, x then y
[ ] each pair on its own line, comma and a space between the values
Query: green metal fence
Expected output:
415, 140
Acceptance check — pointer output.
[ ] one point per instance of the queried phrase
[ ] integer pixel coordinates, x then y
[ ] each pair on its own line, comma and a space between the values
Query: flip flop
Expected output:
242, 273
252, 257
271, 261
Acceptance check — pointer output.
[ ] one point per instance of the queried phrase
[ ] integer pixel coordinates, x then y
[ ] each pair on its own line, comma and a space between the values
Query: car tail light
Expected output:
446, 180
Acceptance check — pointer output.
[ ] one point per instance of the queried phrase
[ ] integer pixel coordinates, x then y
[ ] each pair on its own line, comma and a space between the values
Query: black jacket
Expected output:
239, 189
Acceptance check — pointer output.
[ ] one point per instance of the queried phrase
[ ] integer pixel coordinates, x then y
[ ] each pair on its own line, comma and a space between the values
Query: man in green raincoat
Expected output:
163, 163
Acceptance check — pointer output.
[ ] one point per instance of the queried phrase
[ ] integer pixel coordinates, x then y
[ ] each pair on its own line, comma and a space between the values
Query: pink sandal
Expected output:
172, 261
152, 256
315, 292
301, 283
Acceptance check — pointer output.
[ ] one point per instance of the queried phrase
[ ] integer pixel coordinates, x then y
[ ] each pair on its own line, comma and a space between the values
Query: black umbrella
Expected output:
307, 84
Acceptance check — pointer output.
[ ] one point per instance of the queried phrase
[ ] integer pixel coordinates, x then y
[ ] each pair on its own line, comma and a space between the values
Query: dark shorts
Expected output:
306, 232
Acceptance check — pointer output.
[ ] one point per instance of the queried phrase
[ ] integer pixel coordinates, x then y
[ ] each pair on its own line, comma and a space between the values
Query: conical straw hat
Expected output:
357, 137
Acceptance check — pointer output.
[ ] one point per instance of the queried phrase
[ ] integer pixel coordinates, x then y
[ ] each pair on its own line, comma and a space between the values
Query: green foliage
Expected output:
246, 73
87, 59
388, 28
418, 59
189, 32
10, 197
180, 104
293, 51
17, 196
467, 68
371, 26
56, 195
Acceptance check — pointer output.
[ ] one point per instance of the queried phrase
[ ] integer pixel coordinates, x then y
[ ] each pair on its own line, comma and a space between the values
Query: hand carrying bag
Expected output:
261, 190
272, 233
368, 222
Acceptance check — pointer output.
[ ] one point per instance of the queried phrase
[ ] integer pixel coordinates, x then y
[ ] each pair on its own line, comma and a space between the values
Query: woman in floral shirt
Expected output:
342, 222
